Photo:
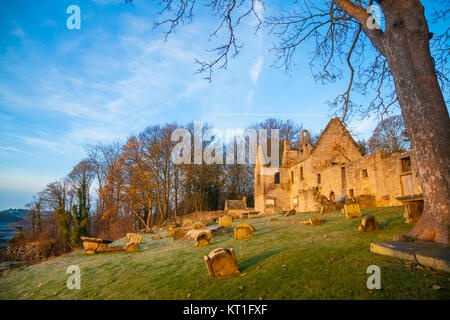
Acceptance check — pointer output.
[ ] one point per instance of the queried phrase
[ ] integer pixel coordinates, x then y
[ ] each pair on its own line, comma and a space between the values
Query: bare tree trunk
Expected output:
424, 111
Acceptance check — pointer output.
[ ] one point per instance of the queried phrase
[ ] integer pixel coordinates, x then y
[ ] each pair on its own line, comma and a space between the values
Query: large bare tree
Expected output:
389, 135
377, 56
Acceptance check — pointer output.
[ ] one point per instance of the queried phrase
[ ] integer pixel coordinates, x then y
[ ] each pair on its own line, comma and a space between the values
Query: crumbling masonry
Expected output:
333, 169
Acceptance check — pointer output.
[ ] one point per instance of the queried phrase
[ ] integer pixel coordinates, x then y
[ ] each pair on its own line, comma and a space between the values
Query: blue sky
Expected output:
61, 89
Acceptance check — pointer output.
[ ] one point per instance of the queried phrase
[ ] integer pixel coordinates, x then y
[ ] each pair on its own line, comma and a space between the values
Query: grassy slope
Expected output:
318, 267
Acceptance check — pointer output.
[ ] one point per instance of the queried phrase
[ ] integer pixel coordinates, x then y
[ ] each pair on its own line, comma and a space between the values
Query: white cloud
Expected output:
18, 32
259, 9
256, 69
8, 148
363, 128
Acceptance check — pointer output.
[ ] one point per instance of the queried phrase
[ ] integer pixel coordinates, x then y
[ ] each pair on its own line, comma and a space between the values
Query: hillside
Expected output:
12, 215
282, 261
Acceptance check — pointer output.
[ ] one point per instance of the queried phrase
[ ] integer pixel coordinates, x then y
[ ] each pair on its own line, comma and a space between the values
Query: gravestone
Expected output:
324, 209
352, 211
253, 214
226, 221
244, 215
413, 211
203, 238
369, 223
198, 225
187, 226
178, 234
134, 238
243, 231
133, 242
170, 233
314, 221
92, 247
221, 262
95, 245
413, 207
132, 247
291, 212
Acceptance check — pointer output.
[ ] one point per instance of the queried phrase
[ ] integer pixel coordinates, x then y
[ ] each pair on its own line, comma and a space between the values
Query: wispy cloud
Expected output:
363, 128
101, 85
255, 71
9, 148
18, 32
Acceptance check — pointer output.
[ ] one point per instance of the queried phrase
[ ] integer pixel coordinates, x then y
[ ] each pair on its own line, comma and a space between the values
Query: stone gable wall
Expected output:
335, 149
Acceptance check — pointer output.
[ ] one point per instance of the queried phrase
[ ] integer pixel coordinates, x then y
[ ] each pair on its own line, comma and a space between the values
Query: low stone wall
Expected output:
26, 253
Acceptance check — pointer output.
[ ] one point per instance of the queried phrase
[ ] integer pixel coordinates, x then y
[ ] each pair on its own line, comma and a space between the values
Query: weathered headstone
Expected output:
198, 225
244, 215
226, 221
369, 223
243, 231
314, 221
203, 238
132, 247
187, 226
253, 214
291, 212
324, 209
134, 238
221, 262
178, 234
352, 210
170, 233
413, 211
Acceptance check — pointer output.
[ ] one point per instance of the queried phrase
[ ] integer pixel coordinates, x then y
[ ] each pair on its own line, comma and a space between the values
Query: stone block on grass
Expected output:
178, 234
243, 231
226, 221
369, 223
132, 247
221, 262
352, 211
203, 238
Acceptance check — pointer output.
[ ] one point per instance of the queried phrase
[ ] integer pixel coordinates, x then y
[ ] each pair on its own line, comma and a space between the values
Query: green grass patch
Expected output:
282, 261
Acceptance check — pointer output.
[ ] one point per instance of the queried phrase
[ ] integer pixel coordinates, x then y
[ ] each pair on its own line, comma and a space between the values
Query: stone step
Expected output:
429, 254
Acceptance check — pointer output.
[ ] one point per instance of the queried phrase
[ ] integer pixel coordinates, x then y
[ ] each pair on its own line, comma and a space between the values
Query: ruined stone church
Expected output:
333, 168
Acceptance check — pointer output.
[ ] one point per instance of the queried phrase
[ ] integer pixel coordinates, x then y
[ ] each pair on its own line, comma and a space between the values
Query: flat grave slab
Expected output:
438, 259
429, 254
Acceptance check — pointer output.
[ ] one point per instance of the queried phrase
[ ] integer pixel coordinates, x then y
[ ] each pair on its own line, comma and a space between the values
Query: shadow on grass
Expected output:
151, 244
256, 259
386, 223
270, 231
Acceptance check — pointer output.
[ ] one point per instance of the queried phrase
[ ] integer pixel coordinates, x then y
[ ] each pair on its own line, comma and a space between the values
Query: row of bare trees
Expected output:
119, 188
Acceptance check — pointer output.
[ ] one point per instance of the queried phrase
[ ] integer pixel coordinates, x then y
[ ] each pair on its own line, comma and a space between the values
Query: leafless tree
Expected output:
390, 136
396, 54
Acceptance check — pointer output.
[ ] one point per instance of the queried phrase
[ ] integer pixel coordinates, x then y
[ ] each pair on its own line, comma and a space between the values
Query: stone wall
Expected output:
344, 173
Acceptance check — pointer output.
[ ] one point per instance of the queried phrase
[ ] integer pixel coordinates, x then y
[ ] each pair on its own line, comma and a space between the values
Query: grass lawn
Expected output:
321, 262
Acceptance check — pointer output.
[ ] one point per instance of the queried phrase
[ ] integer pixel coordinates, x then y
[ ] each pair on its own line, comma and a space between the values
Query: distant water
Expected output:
6, 232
